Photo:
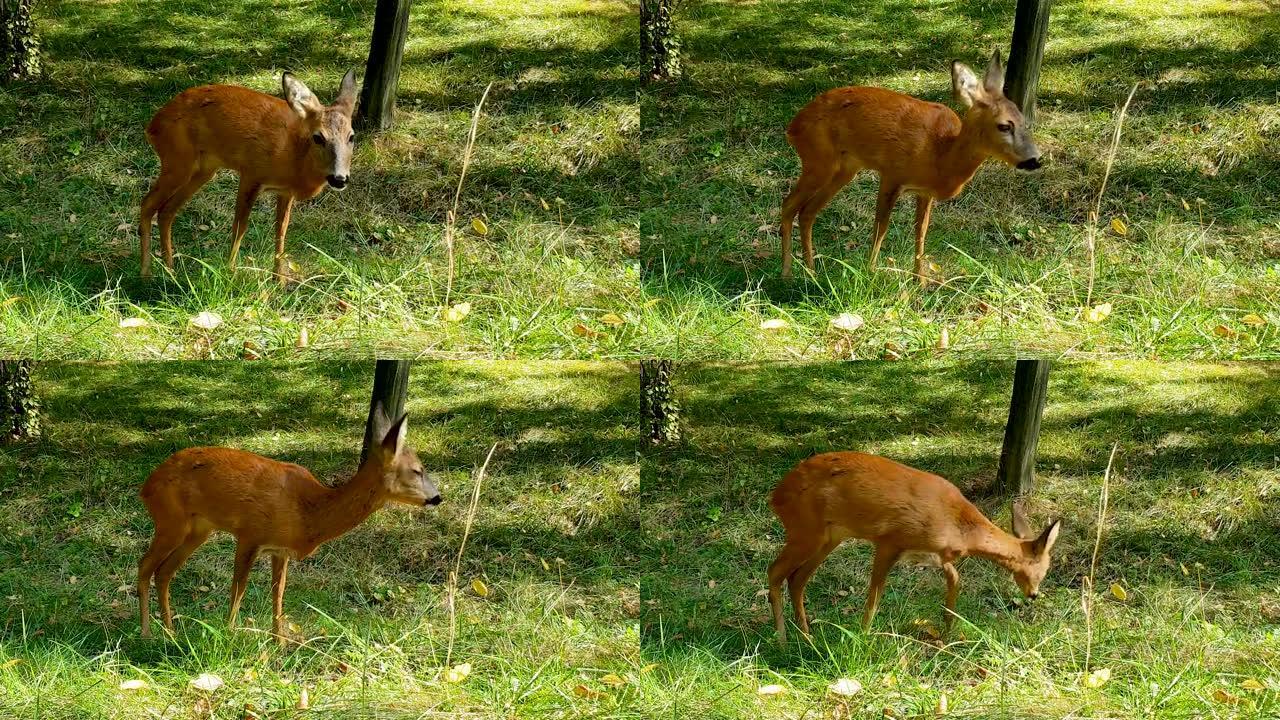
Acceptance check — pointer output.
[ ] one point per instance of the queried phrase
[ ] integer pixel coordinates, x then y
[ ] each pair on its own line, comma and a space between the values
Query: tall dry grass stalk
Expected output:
452, 587
1086, 588
1097, 203
451, 219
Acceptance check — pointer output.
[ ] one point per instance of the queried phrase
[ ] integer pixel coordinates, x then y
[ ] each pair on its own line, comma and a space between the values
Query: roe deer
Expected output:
915, 146
270, 506
292, 146
834, 496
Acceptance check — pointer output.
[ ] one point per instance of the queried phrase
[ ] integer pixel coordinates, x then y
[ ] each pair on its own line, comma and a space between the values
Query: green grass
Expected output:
554, 540
552, 175
1194, 182
1190, 535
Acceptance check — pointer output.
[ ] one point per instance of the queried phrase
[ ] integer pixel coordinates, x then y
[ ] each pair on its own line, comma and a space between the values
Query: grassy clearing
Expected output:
1193, 183
552, 541
550, 176
1190, 536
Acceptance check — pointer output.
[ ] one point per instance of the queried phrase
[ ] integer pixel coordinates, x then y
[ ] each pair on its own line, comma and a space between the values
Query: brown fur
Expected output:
268, 141
269, 506
914, 146
829, 498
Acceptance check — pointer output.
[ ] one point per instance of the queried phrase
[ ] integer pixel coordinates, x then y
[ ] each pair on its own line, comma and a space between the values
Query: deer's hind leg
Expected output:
800, 578
164, 574
792, 557
167, 539
811, 182
815, 204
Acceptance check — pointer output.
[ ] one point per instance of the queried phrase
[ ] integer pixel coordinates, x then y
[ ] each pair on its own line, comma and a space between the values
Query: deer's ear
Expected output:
299, 96
393, 442
1044, 543
346, 101
993, 83
964, 84
1021, 528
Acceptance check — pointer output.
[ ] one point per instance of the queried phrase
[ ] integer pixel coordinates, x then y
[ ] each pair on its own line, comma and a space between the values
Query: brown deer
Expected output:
293, 147
829, 498
269, 506
914, 146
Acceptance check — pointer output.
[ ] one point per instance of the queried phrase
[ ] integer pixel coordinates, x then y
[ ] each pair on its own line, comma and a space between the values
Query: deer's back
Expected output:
877, 129
227, 126
229, 489
874, 498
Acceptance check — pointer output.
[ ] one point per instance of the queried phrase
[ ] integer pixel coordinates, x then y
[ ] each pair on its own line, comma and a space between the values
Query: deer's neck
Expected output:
344, 507
959, 161
998, 546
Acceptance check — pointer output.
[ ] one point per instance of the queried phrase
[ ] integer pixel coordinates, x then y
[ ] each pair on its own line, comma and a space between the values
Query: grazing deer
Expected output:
829, 498
293, 147
915, 146
270, 506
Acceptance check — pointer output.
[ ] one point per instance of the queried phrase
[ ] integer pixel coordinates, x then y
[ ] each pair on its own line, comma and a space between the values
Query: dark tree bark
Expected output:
659, 45
1022, 433
19, 47
390, 389
382, 72
18, 406
658, 410
1022, 76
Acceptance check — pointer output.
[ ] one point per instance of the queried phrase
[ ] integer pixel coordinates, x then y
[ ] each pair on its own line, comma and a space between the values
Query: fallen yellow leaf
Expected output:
480, 588
9, 301
457, 312
1225, 697
1097, 678
613, 680
10, 663
944, 339
583, 331
612, 320
1254, 320
648, 668
457, 673
1119, 592
1252, 684
1118, 225
1223, 331
304, 699
583, 691
1098, 313
941, 709
478, 225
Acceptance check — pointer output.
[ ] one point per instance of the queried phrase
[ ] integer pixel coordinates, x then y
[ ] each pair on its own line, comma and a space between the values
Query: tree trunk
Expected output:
659, 46
1022, 76
390, 389
658, 410
382, 72
1022, 433
18, 405
19, 47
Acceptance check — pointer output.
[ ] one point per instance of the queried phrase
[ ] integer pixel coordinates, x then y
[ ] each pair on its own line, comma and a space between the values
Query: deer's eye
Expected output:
1005, 127
417, 471
352, 138
318, 139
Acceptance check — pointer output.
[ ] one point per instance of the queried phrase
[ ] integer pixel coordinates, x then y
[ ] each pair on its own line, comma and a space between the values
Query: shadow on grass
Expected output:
565, 453
1195, 441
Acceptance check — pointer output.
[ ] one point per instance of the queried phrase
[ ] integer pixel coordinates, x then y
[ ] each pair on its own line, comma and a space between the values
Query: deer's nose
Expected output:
340, 181
1030, 164
434, 500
